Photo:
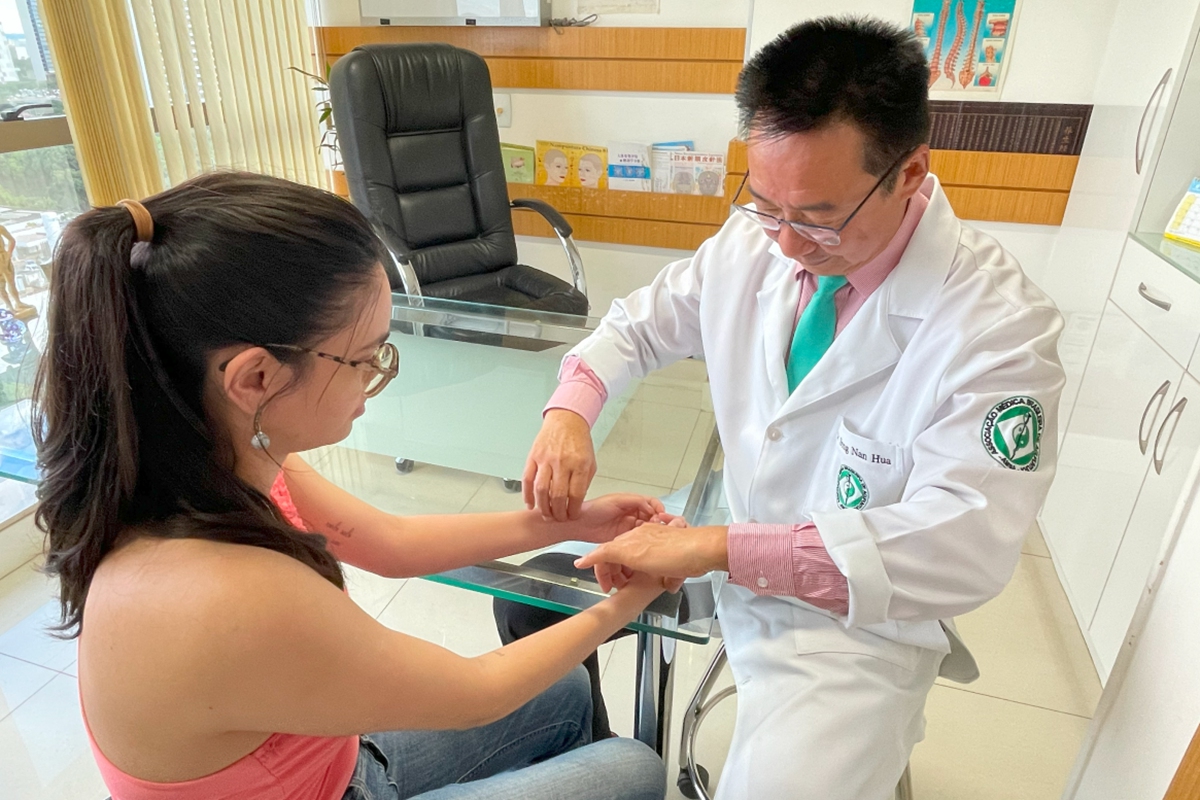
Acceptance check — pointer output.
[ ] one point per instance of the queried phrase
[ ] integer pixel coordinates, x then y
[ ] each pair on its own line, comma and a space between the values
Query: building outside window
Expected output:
41, 189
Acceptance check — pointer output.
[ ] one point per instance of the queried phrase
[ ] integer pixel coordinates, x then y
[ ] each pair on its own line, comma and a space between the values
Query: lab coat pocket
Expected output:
867, 473
815, 633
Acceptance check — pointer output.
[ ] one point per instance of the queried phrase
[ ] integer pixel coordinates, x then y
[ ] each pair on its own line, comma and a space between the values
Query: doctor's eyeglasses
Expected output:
384, 362
821, 234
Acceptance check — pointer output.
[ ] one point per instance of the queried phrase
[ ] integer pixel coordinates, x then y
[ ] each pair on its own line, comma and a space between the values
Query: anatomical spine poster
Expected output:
967, 42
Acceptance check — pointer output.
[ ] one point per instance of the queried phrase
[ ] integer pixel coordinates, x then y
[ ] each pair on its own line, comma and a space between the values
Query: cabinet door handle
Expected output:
1177, 412
1160, 395
1139, 149
1149, 297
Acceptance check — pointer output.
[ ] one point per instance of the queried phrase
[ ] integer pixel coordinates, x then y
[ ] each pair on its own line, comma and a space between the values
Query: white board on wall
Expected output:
671, 14
455, 12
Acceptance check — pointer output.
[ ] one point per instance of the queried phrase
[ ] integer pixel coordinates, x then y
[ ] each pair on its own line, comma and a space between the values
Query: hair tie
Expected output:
142, 221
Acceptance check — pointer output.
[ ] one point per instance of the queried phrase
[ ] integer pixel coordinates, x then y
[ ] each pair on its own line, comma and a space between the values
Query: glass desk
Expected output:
473, 381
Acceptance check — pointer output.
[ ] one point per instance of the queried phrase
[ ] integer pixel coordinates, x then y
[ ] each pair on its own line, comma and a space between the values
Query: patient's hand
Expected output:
607, 517
659, 548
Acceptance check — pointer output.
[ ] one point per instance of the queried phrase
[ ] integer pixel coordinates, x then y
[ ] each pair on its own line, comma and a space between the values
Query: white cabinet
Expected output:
1172, 449
1128, 448
1130, 102
1130, 414
1128, 386
1161, 300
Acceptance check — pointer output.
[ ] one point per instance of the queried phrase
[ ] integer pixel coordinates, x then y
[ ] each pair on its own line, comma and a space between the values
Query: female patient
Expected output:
196, 341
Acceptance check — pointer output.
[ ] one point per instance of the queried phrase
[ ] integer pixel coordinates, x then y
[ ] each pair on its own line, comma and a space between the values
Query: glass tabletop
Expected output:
469, 397
687, 615
472, 384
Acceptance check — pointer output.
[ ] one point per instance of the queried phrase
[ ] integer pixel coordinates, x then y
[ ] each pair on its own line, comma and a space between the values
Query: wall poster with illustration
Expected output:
966, 41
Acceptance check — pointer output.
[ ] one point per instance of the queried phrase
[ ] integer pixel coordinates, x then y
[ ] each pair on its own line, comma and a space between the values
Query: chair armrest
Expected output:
551, 215
563, 229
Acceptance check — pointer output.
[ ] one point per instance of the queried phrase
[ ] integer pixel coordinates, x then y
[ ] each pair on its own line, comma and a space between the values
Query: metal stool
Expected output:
693, 778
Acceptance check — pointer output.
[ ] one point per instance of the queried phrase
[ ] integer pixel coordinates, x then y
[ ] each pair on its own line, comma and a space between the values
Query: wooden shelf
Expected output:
649, 219
688, 60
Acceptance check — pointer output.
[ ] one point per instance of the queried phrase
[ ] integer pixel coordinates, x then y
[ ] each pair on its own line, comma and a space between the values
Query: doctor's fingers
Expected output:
611, 576
541, 490
527, 479
577, 488
560, 492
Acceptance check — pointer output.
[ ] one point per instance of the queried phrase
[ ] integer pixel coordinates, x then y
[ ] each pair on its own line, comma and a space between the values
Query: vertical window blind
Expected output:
97, 70
221, 88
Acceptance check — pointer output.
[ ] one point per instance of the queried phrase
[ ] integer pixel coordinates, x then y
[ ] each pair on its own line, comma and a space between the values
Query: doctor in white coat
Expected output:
885, 382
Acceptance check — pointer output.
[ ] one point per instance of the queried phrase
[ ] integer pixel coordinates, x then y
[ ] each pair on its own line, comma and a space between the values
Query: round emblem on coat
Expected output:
1012, 433
852, 491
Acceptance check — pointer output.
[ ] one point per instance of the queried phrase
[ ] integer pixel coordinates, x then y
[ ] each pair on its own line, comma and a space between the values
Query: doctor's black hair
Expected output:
864, 71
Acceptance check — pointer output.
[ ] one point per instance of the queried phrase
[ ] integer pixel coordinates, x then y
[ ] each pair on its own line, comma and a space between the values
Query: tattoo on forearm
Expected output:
340, 529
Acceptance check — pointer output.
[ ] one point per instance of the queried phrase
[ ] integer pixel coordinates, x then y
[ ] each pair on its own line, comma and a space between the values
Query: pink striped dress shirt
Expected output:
773, 559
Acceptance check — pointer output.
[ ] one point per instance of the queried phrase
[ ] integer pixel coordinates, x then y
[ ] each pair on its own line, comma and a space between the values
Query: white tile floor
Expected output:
1012, 734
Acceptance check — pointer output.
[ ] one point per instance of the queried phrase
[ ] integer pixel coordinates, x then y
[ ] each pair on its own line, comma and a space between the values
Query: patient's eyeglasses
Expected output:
821, 234
384, 362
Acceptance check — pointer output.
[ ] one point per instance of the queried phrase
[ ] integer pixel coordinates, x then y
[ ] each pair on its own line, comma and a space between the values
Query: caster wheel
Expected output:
512, 487
404, 465
685, 785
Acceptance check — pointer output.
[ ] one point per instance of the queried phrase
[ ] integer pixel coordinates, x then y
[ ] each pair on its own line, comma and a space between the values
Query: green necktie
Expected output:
814, 331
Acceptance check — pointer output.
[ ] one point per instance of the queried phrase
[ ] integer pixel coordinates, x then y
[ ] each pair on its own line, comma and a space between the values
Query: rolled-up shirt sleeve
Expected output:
787, 560
579, 390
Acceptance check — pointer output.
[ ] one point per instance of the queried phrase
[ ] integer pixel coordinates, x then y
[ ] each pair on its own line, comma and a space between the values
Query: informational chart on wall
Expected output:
967, 42
617, 7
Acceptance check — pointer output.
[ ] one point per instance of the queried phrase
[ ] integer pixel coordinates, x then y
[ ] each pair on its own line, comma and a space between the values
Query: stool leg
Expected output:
696, 777
904, 787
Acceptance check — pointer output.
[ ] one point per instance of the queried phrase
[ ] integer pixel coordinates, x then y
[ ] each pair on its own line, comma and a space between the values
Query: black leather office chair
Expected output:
417, 130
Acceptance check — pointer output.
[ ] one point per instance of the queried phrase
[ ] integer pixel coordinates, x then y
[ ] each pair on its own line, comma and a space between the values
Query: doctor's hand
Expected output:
560, 467
607, 517
670, 550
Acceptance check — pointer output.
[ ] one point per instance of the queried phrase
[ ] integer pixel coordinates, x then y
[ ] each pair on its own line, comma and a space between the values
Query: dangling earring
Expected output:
259, 441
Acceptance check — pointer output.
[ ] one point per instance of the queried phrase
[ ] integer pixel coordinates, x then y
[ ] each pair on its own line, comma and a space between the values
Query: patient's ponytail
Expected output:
124, 444
83, 422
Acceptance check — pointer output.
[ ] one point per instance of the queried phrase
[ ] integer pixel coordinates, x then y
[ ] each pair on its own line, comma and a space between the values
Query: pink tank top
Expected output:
284, 767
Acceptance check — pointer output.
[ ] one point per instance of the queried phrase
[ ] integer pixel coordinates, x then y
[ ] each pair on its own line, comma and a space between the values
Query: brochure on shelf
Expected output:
519, 161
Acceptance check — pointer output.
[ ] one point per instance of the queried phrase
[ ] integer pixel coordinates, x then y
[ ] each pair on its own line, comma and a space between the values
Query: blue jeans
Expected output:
539, 752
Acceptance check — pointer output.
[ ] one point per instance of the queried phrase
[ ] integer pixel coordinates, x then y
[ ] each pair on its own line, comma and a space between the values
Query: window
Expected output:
41, 189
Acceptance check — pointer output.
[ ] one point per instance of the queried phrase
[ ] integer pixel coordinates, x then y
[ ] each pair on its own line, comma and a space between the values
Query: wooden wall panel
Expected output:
1007, 205
639, 232
997, 187
688, 60
1004, 170
1186, 783
648, 219
649, 44
618, 75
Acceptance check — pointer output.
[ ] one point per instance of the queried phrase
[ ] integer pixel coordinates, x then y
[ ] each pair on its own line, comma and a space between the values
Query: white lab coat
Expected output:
906, 410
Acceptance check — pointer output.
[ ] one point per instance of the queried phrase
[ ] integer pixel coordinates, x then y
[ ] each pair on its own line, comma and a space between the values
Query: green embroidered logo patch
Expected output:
1012, 433
852, 491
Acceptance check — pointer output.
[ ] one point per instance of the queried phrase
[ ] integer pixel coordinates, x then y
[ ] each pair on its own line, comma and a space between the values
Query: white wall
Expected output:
600, 117
1056, 51
671, 14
